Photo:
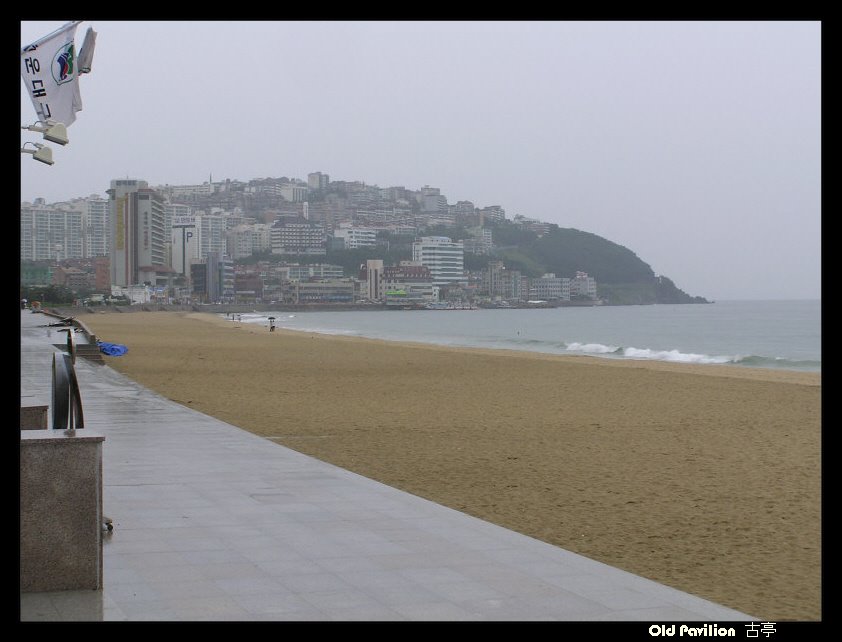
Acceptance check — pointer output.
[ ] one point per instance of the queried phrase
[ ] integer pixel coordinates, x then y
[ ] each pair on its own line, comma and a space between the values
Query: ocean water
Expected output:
763, 334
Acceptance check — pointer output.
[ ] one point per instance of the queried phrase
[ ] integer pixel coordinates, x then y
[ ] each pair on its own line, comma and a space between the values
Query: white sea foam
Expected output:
674, 355
592, 348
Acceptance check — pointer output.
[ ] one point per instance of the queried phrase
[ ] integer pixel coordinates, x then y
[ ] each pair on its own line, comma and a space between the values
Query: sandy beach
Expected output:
703, 478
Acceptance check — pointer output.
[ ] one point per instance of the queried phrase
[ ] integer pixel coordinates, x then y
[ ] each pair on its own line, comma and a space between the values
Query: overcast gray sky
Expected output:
697, 145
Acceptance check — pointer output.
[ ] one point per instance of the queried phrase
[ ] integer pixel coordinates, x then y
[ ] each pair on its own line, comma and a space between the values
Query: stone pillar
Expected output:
60, 511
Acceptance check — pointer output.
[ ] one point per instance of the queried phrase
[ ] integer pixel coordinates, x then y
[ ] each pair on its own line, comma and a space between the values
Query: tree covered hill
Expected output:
565, 251
621, 276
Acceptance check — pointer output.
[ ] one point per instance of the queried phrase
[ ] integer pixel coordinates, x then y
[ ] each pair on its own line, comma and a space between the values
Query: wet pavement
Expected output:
212, 522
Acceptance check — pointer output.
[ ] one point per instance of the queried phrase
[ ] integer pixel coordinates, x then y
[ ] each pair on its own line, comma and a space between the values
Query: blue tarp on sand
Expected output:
112, 349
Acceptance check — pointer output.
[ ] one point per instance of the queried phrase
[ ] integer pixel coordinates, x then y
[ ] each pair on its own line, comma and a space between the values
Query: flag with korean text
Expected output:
50, 74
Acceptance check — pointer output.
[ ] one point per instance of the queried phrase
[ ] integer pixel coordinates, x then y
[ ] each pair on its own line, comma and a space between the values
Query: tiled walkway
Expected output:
214, 523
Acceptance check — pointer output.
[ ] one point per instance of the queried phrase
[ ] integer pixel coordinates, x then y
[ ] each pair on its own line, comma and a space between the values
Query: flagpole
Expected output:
50, 35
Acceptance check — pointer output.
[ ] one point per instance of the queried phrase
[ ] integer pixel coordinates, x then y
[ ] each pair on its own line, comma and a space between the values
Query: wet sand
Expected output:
703, 478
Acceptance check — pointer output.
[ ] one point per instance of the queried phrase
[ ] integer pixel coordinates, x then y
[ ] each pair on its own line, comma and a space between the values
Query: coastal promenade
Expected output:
212, 522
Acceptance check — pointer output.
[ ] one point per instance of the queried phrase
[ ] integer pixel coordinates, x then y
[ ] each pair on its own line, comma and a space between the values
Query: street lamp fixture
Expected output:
41, 152
53, 132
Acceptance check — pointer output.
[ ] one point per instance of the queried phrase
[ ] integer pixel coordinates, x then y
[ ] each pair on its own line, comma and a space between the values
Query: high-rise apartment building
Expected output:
48, 232
211, 229
138, 242
298, 237
73, 230
95, 219
444, 257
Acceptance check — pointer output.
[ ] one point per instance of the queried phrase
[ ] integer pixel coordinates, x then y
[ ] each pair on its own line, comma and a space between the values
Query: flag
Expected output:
50, 73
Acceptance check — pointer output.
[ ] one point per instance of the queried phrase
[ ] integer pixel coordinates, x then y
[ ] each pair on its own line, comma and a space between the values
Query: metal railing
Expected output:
67, 400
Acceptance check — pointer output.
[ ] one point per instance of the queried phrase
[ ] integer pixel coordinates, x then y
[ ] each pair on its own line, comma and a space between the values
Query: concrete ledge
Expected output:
90, 335
60, 511
76, 323
34, 417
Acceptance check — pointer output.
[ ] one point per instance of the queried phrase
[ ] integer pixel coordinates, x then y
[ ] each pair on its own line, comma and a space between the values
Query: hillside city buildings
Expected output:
197, 244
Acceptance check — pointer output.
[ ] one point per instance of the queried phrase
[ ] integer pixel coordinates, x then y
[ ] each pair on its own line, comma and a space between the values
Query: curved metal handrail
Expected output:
71, 345
67, 400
